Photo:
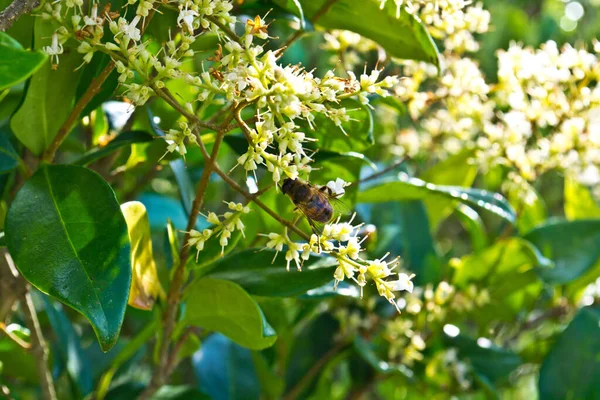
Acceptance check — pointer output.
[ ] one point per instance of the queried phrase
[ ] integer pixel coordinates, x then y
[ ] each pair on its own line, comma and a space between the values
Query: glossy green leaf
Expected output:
9, 158
457, 170
574, 246
122, 140
69, 346
50, 95
17, 64
579, 203
225, 370
358, 134
258, 274
399, 33
572, 368
68, 238
406, 188
145, 285
225, 307
184, 183
344, 289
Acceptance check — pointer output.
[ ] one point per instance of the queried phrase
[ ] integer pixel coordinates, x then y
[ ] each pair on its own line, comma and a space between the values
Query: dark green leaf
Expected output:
225, 307
343, 289
50, 95
312, 343
572, 368
257, 273
528, 204
225, 370
122, 140
407, 188
69, 346
400, 34
16, 64
9, 158
186, 187
69, 239
574, 246
213, 251
22, 362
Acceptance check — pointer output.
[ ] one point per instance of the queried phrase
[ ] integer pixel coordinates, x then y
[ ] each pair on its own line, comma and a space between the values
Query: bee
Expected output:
316, 203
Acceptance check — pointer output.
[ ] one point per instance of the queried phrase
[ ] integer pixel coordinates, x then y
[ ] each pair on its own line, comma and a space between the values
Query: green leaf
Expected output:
458, 170
417, 244
16, 64
9, 158
258, 274
69, 346
213, 251
18, 363
490, 361
50, 95
572, 368
359, 130
225, 307
145, 285
579, 203
225, 370
574, 246
407, 188
498, 262
529, 205
473, 224
401, 35
124, 139
68, 238
365, 350
344, 289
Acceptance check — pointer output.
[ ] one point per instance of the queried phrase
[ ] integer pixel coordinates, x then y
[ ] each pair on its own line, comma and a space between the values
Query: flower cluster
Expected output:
340, 240
348, 48
223, 227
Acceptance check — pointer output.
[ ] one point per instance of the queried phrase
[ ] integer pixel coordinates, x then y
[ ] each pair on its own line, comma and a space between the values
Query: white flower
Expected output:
186, 17
55, 49
337, 187
403, 283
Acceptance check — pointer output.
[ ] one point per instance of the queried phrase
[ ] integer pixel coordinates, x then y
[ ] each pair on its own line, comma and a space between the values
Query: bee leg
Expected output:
312, 225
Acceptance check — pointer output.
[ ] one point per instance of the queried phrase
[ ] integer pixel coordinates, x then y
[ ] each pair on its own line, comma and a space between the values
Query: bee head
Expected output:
287, 185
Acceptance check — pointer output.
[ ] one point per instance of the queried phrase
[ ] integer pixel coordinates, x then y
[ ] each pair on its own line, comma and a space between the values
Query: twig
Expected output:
14, 337
314, 370
322, 11
232, 35
72, 118
39, 349
15, 10
381, 173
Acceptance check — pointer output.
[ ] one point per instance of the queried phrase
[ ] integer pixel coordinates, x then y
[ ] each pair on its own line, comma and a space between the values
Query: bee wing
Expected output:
339, 207
316, 226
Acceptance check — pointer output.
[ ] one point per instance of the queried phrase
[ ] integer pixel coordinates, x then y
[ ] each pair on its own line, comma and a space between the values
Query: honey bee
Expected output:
316, 203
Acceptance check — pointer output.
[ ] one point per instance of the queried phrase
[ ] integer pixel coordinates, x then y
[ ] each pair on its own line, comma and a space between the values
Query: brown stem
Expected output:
72, 118
164, 368
15, 10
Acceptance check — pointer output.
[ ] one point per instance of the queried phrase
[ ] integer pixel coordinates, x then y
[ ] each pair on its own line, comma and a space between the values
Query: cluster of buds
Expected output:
222, 227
